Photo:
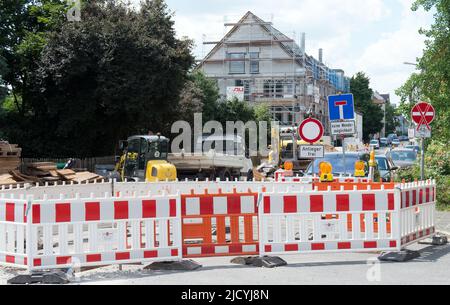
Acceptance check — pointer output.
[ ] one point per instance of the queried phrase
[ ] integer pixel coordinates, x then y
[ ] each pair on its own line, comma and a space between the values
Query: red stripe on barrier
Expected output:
291, 248
25, 213
267, 205
206, 205
290, 204
92, 211
120, 256
36, 213
421, 196
393, 244
150, 254
62, 211
233, 204
10, 212
368, 202
91, 258
208, 250
343, 203
235, 248
391, 202
427, 194
174, 252
10, 259
414, 195
370, 244
267, 248
317, 246
37, 262
148, 208
120, 209
316, 203
172, 207
344, 245
407, 203
63, 260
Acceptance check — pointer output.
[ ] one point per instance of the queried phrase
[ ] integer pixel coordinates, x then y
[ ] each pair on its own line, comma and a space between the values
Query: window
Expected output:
237, 66
254, 62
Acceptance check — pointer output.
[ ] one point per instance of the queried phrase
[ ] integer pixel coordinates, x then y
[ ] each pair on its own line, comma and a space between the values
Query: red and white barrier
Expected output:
418, 204
329, 221
13, 223
100, 231
50, 231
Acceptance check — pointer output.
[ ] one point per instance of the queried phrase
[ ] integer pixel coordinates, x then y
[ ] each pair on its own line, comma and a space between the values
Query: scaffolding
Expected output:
288, 82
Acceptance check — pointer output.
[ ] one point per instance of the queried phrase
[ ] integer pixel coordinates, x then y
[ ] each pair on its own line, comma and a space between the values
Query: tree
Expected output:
372, 114
390, 115
432, 83
3, 71
117, 72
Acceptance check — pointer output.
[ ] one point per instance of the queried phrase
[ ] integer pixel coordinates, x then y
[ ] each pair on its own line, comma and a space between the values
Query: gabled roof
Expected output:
292, 49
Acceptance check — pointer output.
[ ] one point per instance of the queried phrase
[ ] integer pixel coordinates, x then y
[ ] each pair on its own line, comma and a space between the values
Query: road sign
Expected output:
422, 132
343, 128
341, 107
311, 130
311, 151
423, 114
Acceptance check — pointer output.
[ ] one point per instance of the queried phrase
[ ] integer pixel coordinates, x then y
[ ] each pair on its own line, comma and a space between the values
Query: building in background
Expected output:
380, 100
257, 63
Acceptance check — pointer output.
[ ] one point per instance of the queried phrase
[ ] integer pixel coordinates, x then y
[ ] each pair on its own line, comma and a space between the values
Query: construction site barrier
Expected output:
220, 224
268, 218
94, 231
298, 222
418, 203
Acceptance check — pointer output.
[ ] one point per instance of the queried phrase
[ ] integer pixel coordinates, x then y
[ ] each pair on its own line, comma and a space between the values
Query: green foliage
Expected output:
210, 92
391, 124
432, 83
372, 114
117, 72
234, 110
3, 71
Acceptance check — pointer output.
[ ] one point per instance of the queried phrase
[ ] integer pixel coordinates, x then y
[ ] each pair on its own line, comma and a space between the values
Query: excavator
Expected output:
144, 158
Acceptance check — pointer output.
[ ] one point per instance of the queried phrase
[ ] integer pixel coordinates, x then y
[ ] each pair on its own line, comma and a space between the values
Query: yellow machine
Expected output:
360, 169
144, 158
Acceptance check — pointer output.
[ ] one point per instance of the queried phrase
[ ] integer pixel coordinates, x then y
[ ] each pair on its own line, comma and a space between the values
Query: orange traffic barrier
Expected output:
219, 224
349, 186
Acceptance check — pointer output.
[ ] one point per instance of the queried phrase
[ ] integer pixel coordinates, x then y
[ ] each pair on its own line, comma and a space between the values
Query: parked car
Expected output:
403, 157
386, 167
375, 144
403, 138
395, 142
384, 142
337, 162
416, 148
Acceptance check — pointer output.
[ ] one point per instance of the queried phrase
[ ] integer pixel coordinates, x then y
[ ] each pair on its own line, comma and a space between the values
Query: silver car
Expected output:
403, 157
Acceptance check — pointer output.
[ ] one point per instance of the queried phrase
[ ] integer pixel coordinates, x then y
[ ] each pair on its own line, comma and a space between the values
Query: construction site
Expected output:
263, 65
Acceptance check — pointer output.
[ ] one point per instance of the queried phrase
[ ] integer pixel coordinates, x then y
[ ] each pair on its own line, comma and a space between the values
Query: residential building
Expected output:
257, 63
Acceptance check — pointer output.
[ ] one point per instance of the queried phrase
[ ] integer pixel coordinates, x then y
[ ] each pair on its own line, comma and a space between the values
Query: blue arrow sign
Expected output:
341, 107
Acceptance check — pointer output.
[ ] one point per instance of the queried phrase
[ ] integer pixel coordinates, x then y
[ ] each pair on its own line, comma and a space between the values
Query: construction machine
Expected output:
144, 158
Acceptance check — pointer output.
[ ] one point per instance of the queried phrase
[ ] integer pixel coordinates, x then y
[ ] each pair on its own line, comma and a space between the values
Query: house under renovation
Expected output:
257, 63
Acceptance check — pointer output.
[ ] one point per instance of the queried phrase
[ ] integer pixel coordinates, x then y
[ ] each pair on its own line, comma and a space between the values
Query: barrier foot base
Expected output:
184, 265
258, 261
439, 240
400, 256
51, 277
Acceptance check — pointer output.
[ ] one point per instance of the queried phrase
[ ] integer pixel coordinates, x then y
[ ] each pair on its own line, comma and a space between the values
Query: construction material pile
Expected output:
9, 157
41, 172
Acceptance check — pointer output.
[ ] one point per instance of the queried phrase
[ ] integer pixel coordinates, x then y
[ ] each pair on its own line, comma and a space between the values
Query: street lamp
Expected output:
410, 63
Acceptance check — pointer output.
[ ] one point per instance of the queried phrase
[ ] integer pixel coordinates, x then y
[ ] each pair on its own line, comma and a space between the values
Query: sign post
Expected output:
311, 131
342, 117
423, 115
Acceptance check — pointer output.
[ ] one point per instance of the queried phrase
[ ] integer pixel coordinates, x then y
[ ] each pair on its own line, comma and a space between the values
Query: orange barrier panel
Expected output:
349, 186
219, 224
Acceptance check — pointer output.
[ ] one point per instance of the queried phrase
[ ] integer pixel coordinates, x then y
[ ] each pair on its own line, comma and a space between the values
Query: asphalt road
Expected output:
346, 268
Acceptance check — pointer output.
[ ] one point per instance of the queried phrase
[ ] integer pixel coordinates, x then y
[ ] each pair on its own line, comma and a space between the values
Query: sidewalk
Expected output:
443, 222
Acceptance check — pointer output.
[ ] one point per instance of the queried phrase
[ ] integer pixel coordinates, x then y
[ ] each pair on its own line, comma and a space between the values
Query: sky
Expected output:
374, 36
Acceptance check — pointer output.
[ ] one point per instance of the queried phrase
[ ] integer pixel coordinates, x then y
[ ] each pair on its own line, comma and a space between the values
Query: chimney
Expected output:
321, 55
303, 43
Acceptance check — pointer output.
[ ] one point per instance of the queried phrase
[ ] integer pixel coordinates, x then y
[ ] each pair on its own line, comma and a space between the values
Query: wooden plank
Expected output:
84, 176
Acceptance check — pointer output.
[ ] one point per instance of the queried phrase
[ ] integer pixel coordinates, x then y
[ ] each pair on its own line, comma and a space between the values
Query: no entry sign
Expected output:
311, 130
423, 114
